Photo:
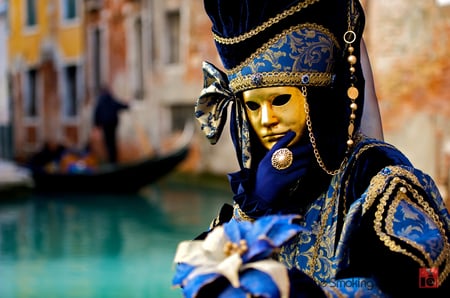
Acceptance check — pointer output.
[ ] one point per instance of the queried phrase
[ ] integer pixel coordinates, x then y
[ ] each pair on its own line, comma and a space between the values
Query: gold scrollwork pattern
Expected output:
281, 38
402, 216
321, 253
394, 190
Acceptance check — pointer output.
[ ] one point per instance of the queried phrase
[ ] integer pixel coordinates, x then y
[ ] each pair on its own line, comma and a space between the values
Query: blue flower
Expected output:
237, 259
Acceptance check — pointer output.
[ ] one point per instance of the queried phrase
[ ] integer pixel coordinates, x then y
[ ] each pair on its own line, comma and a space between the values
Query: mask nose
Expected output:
268, 118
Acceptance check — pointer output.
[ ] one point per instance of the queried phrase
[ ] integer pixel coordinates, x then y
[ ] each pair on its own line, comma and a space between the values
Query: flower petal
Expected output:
266, 244
236, 230
182, 271
258, 250
259, 284
203, 252
196, 283
268, 233
192, 253
230, 269
276, 271
231, 291
282, 232
187, 250
214, 243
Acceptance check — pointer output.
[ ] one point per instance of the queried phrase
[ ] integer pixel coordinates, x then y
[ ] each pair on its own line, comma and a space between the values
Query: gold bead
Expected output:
352, 59
351, 128
352, 116
403, 189
354, 106
351, 49
352, 92
350, 142
352, 69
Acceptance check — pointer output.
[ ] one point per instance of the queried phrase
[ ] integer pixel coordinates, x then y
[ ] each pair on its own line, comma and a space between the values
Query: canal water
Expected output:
101, 246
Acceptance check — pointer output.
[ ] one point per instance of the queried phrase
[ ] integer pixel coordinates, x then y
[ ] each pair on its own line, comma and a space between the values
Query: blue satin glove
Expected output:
271, 188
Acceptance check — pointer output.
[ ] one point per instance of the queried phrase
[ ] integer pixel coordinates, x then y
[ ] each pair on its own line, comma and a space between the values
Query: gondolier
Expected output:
106, 117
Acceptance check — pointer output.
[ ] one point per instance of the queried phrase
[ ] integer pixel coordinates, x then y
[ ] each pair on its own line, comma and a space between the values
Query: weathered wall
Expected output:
408, 41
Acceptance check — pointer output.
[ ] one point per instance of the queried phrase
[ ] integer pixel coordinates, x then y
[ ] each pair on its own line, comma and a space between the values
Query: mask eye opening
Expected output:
281, 99
251, 105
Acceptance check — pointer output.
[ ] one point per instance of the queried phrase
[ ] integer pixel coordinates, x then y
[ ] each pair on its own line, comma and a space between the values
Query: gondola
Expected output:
127, 177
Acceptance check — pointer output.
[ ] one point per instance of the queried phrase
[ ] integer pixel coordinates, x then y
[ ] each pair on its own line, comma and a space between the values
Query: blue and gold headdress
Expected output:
274, 43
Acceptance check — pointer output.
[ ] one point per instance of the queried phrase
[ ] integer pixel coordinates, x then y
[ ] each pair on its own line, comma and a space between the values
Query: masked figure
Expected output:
294, 85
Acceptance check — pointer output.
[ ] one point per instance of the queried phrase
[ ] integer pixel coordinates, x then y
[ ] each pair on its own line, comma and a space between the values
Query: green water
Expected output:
103, 246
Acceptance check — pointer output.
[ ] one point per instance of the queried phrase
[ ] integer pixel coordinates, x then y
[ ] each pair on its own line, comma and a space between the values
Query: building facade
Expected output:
45, 48
150, 53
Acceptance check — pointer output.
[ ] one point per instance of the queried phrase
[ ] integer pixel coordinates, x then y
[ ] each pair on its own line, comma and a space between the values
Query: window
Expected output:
31, 94
181, 114
173, 36
30, 13
69, 9
70, 102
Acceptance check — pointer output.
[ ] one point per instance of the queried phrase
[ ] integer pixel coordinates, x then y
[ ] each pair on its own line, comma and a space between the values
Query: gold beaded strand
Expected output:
352, 91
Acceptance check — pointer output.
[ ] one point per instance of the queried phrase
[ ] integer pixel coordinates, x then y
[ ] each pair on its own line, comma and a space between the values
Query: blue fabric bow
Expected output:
211, 112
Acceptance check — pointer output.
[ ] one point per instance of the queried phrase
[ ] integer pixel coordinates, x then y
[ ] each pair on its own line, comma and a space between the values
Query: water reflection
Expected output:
100, 246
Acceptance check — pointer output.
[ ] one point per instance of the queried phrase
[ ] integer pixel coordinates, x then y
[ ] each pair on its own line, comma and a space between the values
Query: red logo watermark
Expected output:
428, 277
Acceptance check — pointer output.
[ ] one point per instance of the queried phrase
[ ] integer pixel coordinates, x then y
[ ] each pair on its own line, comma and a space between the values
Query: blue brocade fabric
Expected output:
372, 234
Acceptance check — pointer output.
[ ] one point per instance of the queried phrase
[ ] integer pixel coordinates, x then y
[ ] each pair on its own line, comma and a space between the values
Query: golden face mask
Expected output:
273, 111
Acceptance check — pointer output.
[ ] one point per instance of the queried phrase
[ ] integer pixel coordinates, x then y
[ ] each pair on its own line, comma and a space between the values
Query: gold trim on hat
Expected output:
265, 25
275, 78
275, 39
